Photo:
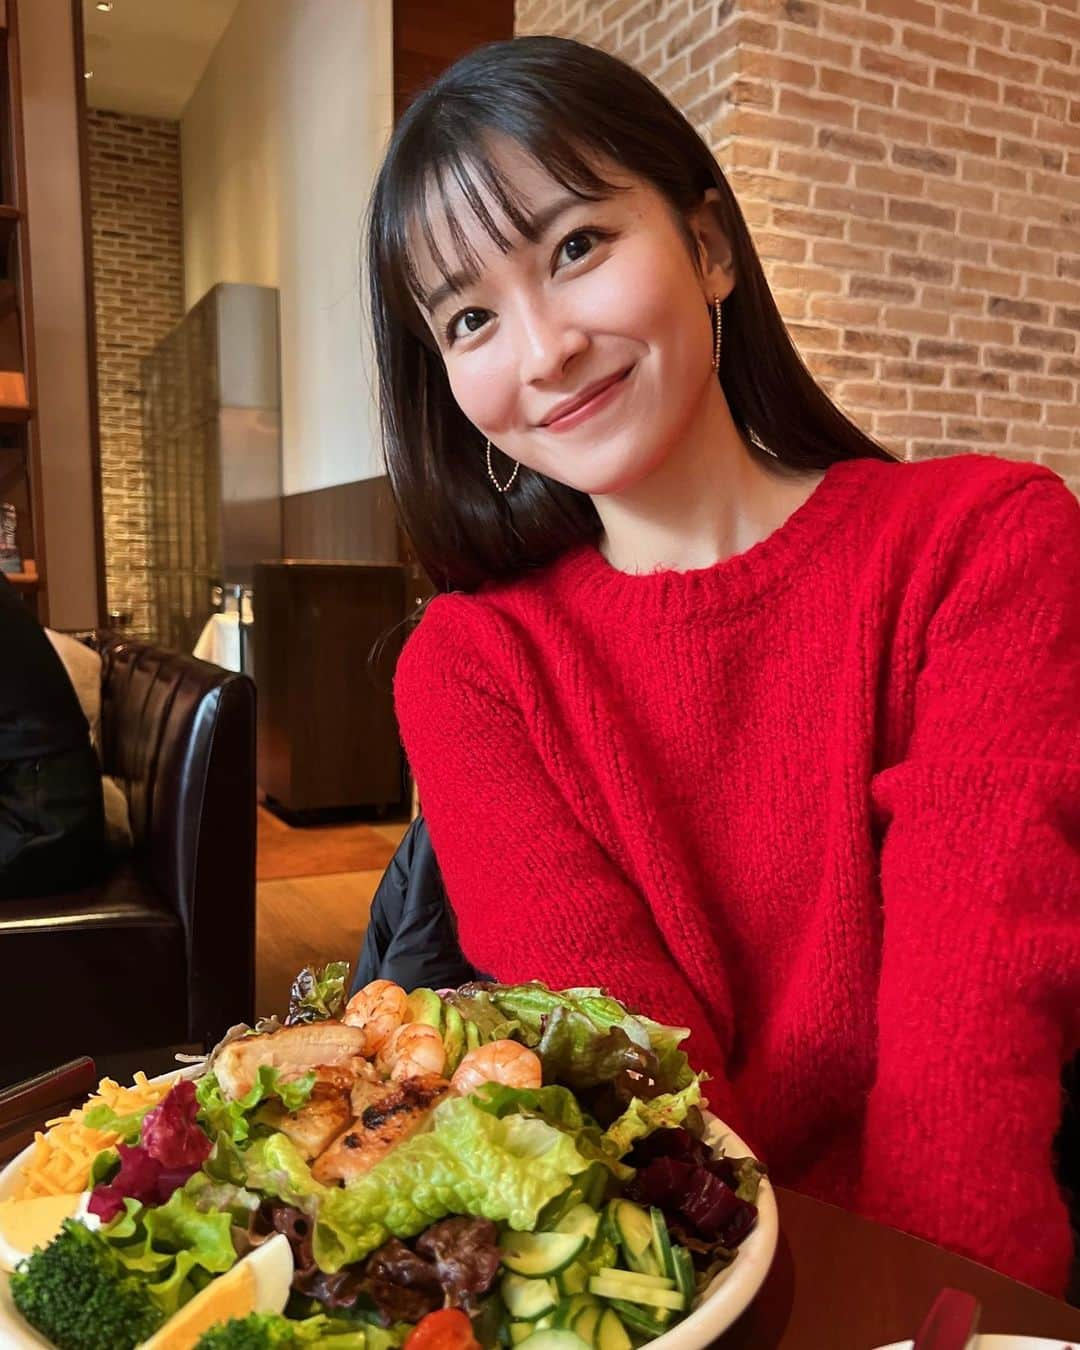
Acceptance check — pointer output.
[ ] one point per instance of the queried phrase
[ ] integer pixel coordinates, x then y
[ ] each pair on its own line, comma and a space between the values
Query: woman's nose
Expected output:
548, 344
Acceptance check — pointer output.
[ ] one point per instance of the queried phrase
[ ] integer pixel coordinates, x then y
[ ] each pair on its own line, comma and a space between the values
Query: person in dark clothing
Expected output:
52, 823
411, 936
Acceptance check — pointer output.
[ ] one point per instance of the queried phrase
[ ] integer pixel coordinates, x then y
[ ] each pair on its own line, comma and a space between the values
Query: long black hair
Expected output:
568, 105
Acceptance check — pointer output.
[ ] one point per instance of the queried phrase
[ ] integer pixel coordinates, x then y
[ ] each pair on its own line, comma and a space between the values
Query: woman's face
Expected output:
607, 303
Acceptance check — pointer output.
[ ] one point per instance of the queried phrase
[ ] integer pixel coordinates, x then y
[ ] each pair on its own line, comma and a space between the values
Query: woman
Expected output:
723, 707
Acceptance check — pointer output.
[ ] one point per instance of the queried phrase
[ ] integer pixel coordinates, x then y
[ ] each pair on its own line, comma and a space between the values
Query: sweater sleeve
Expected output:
534, 893
980, 886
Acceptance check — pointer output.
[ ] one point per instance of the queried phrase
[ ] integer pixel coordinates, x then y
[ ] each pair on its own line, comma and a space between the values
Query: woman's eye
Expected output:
578, 244
466, 318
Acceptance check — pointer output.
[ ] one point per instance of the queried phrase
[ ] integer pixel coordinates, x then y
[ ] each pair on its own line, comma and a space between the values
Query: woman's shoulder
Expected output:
955, 483
466, 635
957, 499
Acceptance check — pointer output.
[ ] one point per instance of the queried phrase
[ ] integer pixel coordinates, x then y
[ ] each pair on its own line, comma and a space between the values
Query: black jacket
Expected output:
412, 935
39, 709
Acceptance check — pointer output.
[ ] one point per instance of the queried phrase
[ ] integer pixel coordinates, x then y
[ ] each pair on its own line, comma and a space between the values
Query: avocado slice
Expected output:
424, 1005
472, 1035
453, 1038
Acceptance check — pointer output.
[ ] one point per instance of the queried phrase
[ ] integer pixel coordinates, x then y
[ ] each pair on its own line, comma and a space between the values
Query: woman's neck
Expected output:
710, 498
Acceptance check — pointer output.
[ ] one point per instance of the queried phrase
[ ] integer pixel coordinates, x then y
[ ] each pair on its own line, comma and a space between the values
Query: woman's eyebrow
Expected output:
538, 226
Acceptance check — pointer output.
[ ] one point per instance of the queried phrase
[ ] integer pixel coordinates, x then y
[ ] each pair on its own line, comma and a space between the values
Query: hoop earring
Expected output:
716, 334
491, 472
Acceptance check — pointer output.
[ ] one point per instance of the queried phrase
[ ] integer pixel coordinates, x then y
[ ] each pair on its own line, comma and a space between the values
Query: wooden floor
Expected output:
314, 918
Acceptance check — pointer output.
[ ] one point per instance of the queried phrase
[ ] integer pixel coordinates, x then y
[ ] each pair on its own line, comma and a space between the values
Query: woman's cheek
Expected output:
484, 394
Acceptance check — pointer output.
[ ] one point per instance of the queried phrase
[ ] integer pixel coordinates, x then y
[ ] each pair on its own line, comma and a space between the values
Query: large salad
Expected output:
445, 1170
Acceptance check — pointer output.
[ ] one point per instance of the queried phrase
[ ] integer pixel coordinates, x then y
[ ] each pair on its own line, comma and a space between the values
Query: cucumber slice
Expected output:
540, 1254
649, 1322
598, 1179
629, 1292
634, 1229
602, 1252
574, 1279
554, 1339
586, 1322
527, 1300
569, 1309
581, 1219
632, 1224
636, 1277
685, 1275
520, 1331
661, 1243
610, 1332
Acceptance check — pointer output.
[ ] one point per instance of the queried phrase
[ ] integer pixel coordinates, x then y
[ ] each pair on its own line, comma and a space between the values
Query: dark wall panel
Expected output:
430, 35
353, 522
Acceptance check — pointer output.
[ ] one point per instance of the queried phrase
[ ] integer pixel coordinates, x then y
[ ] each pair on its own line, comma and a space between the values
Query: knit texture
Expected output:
820, 803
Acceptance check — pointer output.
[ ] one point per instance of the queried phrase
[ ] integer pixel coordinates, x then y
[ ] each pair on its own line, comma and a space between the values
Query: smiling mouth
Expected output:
583, 405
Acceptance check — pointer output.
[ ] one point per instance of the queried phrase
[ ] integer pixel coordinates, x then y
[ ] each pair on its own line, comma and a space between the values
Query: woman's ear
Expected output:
713, 248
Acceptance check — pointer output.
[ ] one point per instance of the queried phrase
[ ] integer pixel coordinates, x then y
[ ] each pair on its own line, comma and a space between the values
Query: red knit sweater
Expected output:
819, 802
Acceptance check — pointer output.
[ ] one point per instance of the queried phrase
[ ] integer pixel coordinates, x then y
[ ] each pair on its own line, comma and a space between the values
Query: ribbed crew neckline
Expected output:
732, 583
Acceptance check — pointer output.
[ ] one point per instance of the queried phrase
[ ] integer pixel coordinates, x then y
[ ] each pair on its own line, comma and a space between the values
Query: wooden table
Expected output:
838, 1282
842, 1283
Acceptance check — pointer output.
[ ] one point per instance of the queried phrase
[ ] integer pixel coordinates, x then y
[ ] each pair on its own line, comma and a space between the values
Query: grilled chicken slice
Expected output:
398, 1112
315, 1125
293, 1051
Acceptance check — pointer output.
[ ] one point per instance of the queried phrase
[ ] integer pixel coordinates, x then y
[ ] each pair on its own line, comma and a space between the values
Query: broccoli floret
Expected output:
77, 1293
259, 1331
268, 1331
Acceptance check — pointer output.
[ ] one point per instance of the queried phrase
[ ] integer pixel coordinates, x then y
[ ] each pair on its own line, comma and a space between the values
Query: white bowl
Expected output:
1001, 1343
725, 1299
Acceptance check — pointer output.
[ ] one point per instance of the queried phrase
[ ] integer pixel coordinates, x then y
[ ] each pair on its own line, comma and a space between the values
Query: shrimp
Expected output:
378, 1010
506, 1062
412, 1051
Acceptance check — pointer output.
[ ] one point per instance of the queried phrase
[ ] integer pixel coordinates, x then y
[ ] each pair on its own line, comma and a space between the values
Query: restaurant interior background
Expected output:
196, 445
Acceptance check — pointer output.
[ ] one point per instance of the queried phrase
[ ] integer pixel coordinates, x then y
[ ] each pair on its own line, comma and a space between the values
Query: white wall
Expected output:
280, 144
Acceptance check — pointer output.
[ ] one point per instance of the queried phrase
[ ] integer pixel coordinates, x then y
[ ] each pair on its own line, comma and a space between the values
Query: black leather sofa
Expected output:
163, 951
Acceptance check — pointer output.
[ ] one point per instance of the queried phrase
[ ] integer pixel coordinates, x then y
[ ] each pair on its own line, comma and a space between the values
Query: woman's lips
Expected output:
599, 400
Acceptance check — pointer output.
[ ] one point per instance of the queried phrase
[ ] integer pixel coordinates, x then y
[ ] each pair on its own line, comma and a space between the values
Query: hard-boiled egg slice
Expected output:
26, 1224
258, 1283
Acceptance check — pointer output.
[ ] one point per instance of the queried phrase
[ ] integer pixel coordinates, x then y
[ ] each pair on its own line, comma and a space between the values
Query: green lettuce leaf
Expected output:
469, 1162
175, 1248
318, 993
586, 1039
475, 1004
559, 1107
233, 1118
129, 1127
642, 1117
103, 1168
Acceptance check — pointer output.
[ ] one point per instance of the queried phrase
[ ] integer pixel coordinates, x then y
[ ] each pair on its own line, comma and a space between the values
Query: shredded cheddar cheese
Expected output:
64, 1151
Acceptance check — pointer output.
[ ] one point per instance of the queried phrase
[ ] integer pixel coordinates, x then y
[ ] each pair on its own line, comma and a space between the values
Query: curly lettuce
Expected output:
585, 1038
175, 1249
318, 993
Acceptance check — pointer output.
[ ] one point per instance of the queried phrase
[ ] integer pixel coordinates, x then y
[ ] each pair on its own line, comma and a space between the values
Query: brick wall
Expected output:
911, 175
139, 297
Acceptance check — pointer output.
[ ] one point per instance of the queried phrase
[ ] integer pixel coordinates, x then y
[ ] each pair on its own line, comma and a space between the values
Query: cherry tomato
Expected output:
447, 1329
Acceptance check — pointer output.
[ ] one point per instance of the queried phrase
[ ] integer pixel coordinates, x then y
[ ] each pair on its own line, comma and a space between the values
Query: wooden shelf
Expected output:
9, 223
28, 577
15, 412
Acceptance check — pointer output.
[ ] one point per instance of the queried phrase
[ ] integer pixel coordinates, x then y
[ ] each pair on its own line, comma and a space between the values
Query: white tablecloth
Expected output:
219, 641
